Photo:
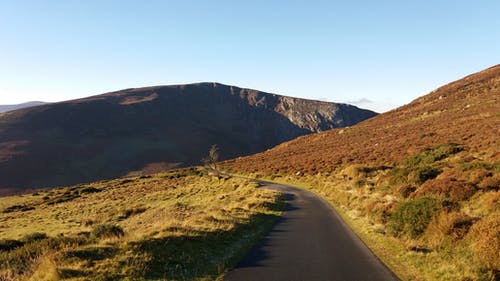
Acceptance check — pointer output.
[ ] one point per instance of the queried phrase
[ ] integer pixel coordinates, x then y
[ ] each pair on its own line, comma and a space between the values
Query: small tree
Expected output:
211, 161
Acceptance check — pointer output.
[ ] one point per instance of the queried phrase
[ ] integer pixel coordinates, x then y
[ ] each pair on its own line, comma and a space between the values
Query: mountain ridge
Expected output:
10, 107
116, 133
446, 114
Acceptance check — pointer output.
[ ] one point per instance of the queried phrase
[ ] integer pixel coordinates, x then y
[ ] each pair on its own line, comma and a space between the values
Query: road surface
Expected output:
309, 242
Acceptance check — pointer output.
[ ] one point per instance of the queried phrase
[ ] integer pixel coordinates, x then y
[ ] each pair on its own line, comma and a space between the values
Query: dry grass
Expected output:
444, 251
177, 225
485, 241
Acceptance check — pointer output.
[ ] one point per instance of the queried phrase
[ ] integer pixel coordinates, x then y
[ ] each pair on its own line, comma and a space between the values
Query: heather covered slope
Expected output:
154, 128
466, 112
420, 184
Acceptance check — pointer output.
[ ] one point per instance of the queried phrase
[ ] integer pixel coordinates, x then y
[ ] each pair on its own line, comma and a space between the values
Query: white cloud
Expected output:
377, 106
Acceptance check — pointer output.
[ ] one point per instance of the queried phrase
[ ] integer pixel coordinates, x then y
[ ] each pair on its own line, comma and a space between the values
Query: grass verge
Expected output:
180, 225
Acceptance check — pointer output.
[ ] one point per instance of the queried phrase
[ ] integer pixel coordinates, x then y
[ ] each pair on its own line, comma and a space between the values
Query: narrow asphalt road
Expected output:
309, 242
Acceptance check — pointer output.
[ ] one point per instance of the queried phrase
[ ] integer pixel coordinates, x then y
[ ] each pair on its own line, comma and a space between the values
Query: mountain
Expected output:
465, 112
9, 107
420, 184
152, 128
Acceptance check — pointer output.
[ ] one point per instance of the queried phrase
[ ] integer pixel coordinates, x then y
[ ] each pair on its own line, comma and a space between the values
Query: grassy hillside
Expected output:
181, 225
420, 184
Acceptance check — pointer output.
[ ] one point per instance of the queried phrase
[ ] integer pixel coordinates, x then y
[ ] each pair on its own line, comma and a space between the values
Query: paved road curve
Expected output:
309, 242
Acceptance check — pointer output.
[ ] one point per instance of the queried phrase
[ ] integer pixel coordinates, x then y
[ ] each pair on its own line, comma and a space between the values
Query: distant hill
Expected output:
9, 107
150, 129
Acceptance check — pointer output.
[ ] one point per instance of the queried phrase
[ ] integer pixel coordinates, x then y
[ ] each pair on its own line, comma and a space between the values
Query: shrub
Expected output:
107, 231
36, 236
421, 167
413, 175
481, 165
88, 189
422, 174
412, 217
130, 212
447, 188
485, 238
18, 208
431, 155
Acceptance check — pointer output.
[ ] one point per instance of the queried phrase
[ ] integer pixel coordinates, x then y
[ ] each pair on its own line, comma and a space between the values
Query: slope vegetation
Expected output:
420, 183
179, 225
151, 129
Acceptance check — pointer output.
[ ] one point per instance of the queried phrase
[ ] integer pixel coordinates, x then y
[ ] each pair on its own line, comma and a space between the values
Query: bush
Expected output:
130, 212
447, 188
431, 155
36, 236
412, 217
421, 167
18, 208
481, 165
107, 231
413, 175
87, 189
422, 174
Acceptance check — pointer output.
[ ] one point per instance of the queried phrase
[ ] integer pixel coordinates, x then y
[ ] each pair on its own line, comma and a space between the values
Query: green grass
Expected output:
181, 225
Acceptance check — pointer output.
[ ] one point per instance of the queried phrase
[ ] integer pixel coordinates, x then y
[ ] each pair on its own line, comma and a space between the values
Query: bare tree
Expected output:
211, 161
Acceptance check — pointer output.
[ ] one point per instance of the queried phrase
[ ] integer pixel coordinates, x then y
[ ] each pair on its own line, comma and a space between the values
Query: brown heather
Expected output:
466, 112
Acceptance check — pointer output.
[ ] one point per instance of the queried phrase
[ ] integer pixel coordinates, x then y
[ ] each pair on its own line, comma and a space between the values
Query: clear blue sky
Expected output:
389, 52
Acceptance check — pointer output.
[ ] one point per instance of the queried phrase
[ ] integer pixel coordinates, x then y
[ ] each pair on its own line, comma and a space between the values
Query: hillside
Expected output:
420, 184
465, 112
9, 107
151, 129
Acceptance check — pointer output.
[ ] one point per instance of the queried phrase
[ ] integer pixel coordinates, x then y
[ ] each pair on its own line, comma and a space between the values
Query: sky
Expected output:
375, 54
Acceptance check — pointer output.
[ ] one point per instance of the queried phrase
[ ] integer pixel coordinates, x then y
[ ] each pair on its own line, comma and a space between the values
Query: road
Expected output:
309, 242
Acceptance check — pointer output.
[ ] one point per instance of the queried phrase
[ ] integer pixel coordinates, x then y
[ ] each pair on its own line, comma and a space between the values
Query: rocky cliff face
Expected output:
114, 134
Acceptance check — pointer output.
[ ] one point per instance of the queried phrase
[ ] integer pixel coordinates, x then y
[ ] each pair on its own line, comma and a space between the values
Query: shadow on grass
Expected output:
205, 254
92, 253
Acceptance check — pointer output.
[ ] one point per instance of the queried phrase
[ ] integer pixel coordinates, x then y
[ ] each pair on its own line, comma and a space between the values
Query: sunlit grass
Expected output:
176, 226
